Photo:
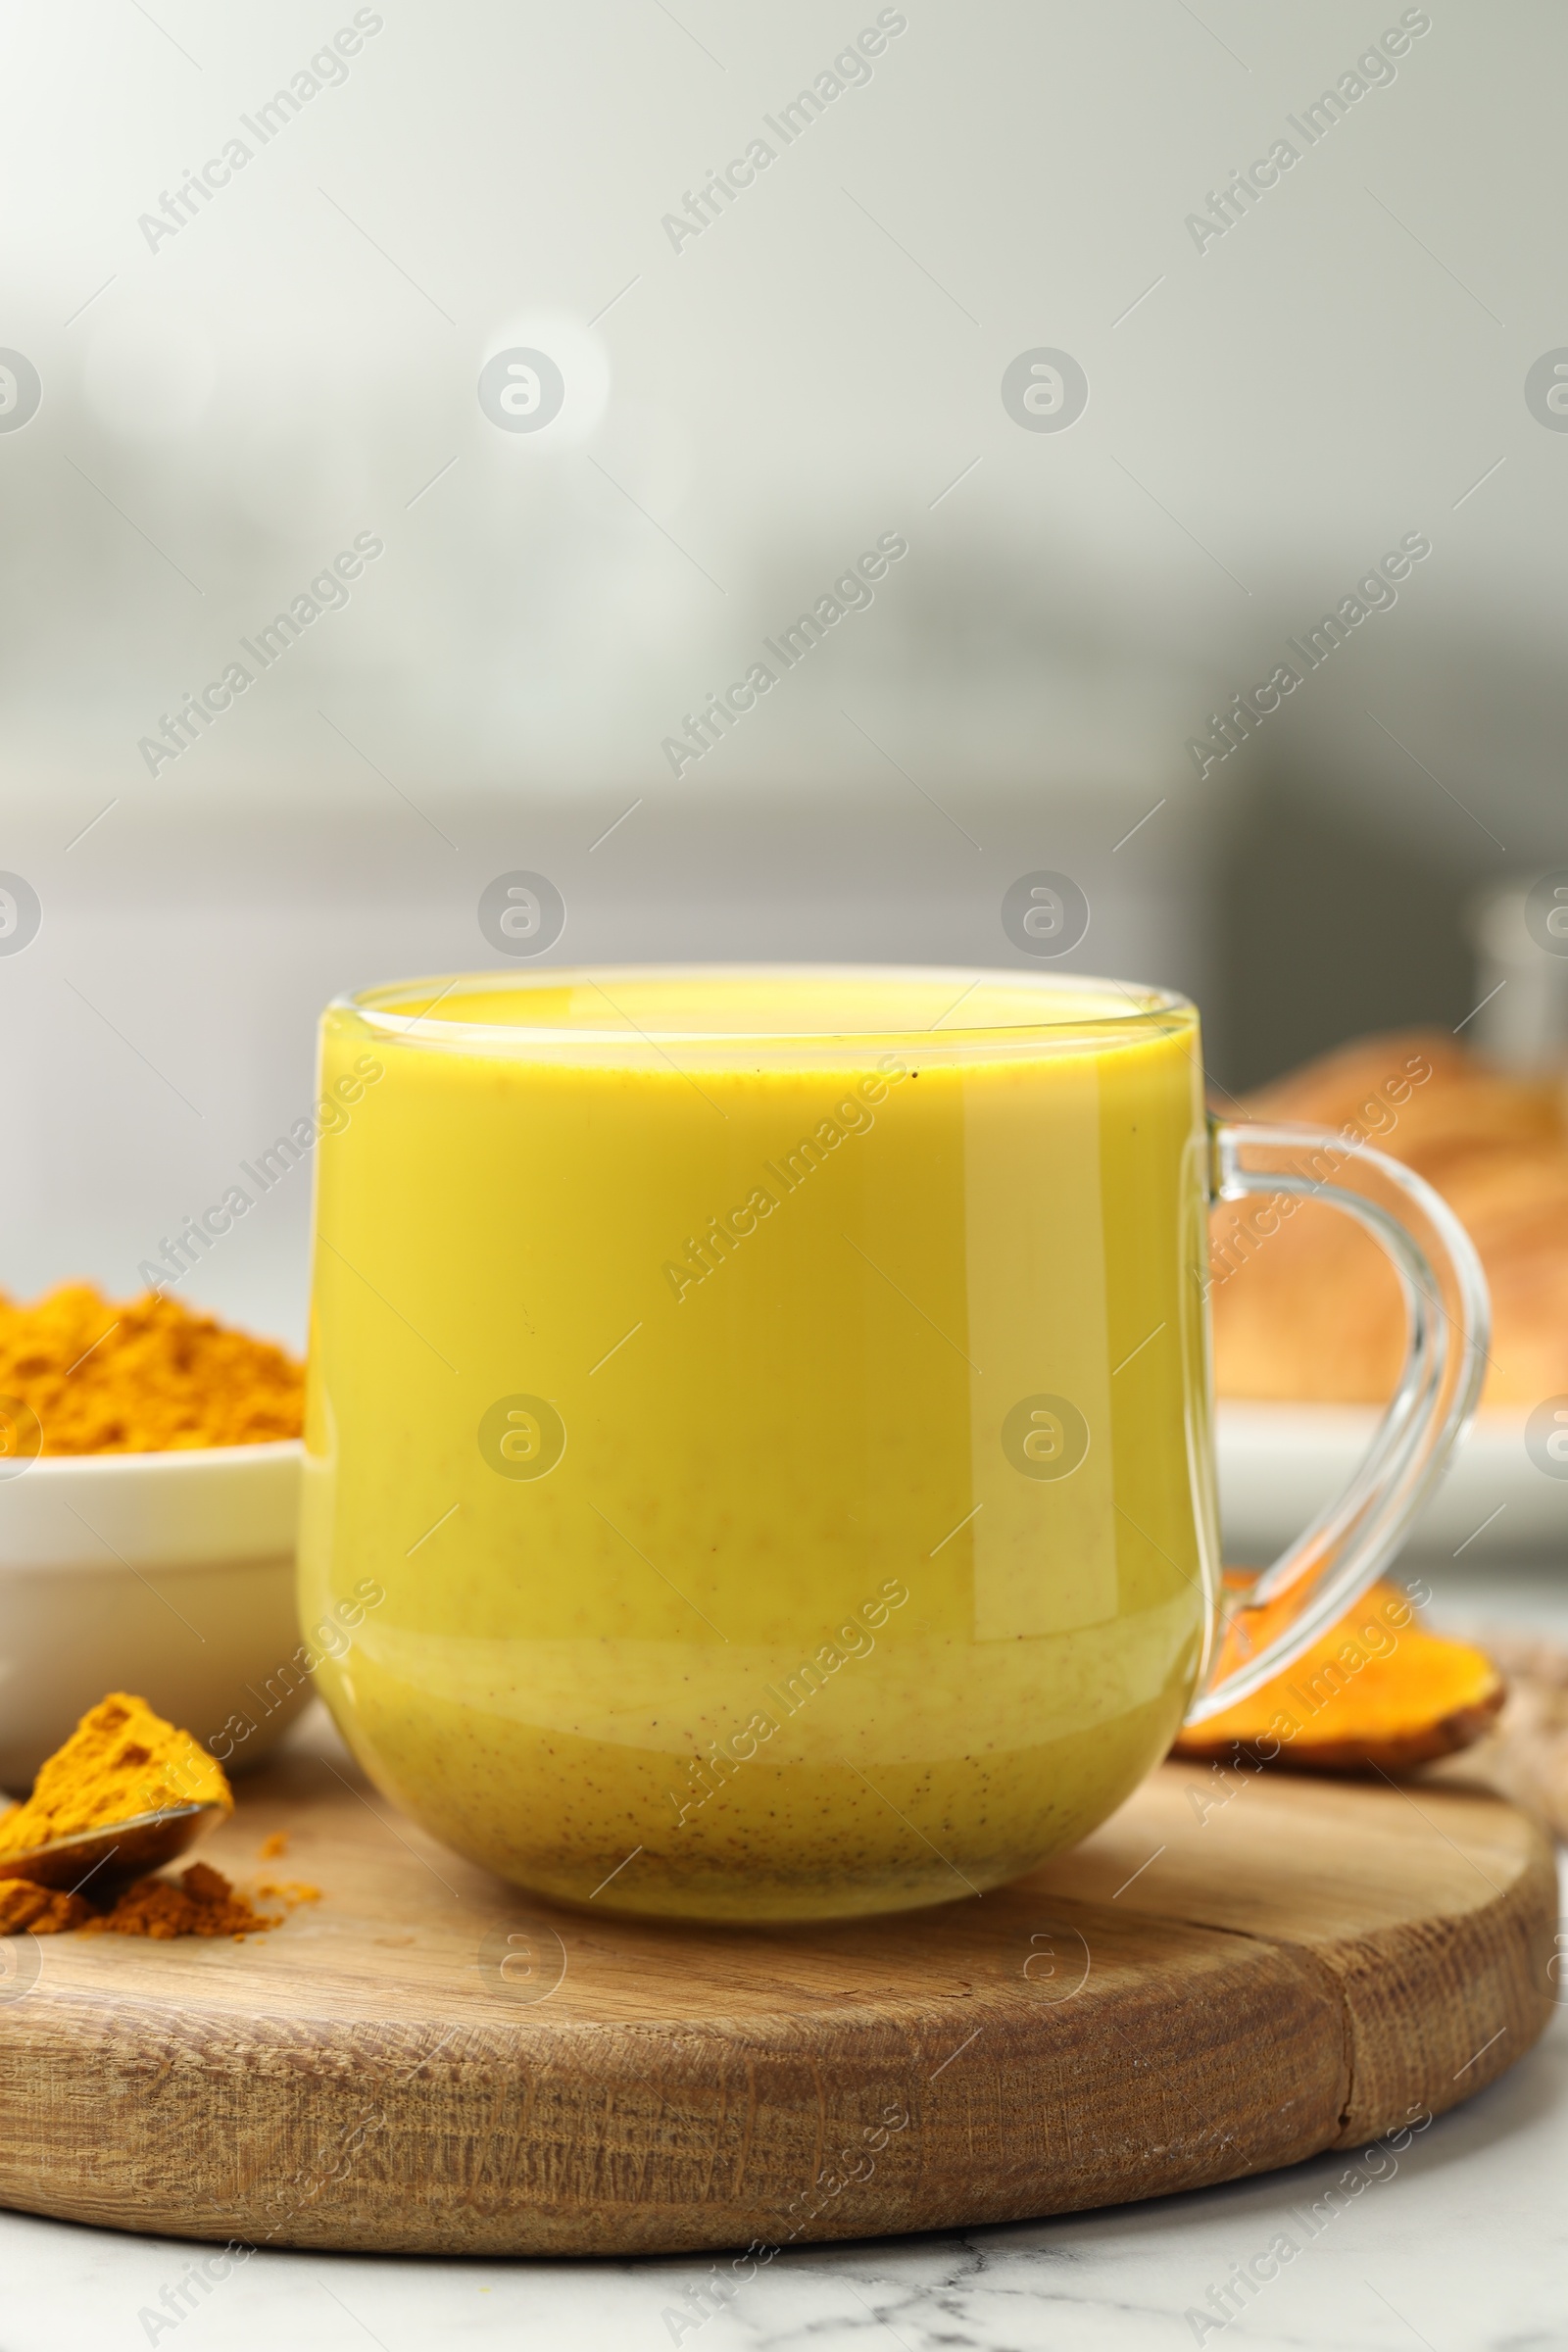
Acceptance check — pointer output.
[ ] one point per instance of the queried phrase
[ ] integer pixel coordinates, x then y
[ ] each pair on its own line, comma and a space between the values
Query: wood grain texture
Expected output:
1211, 1985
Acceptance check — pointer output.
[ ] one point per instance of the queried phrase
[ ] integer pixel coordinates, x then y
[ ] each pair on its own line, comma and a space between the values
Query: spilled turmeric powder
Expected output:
204, 1903
80, 1374
27, 1908
121, 1762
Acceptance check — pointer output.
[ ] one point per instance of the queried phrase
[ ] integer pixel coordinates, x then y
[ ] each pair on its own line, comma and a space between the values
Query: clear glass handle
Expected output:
1448, 1319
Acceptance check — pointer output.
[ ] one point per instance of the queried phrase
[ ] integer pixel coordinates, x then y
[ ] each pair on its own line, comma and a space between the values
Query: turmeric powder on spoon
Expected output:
121, 1763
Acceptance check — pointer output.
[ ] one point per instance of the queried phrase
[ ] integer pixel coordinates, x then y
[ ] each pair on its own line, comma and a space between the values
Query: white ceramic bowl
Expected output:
169, 1575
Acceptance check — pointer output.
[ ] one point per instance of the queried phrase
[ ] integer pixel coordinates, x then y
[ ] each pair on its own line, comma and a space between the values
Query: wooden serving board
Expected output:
1203, 1989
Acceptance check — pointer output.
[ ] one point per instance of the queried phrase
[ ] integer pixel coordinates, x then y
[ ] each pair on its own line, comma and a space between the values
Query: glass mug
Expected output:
770, 1412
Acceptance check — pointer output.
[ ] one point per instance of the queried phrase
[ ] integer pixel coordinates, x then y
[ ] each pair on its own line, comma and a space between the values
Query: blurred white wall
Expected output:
222, 410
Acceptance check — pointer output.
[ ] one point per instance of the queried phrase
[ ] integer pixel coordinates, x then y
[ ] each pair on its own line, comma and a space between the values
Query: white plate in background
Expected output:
1279, 1464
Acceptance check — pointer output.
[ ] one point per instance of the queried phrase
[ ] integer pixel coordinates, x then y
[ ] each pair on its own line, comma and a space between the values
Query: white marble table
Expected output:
1463, 2248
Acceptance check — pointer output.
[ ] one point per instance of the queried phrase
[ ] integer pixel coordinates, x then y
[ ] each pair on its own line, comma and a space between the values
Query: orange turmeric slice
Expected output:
1377, 1693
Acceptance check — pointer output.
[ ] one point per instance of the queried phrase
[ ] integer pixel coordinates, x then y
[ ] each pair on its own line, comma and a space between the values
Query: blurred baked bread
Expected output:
1312, 1310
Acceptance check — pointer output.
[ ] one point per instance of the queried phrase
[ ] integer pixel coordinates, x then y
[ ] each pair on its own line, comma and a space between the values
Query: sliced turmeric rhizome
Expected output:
1377, 1693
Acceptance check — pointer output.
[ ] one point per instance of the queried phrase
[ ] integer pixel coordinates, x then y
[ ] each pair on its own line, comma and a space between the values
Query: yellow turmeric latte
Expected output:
121, 1761
79, 1374
774, 1407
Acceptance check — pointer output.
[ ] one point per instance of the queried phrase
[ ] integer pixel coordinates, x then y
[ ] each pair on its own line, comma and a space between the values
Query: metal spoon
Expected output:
121, 1849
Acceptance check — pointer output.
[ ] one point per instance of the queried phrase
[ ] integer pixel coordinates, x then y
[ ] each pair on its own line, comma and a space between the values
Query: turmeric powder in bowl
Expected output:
146, 1376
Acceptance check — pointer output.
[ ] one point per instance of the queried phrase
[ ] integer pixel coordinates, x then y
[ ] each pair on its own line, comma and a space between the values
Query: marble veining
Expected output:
1464, 2248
